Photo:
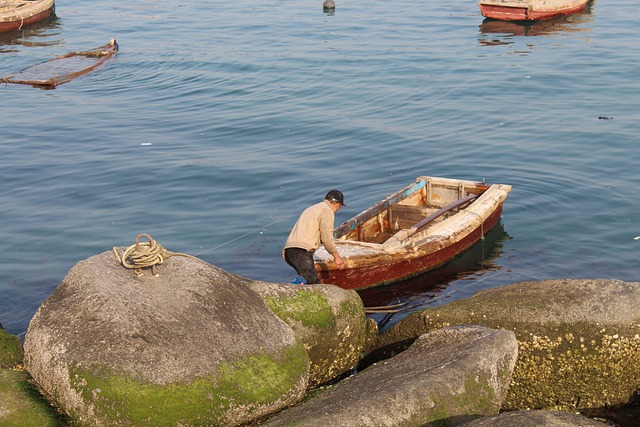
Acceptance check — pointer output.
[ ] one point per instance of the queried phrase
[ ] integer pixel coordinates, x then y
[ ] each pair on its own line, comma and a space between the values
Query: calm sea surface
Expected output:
219, 121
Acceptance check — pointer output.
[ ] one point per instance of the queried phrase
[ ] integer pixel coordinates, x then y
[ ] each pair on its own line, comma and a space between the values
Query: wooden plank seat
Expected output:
407, 231
404, 216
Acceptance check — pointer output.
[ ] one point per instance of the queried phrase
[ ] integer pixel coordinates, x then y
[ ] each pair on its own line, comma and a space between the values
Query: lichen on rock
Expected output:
579, 340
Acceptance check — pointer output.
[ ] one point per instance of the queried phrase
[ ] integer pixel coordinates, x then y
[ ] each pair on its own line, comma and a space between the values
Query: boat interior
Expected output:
426, 202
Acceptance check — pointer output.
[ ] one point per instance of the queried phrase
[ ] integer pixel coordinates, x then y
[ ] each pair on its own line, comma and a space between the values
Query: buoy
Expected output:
328, 5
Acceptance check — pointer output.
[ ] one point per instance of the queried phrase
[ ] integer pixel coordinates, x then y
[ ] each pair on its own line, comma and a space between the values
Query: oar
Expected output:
382, 307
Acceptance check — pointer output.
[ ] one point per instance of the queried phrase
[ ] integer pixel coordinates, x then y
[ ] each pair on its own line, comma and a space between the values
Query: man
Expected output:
313, 229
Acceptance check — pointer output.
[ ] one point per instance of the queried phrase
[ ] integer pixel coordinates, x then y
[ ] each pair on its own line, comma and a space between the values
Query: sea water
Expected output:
219, 122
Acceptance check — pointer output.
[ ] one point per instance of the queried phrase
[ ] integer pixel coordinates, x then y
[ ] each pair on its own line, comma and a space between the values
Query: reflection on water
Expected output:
563, 24
37, 34
428, 289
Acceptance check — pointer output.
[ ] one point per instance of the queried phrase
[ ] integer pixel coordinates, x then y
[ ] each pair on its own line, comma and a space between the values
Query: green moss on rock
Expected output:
309, 307
477, 398
478, 395
22, 405
352, 308
329, 321
11, 354
245, 385
261, 379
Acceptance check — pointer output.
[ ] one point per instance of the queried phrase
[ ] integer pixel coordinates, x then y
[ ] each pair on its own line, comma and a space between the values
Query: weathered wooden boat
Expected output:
414, 230
62, 69
15, 14
529, 10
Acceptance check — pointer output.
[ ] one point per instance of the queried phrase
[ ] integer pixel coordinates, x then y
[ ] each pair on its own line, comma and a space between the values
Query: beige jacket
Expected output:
313, 229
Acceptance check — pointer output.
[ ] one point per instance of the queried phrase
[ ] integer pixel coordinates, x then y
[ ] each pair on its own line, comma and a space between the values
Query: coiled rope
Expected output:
144, 254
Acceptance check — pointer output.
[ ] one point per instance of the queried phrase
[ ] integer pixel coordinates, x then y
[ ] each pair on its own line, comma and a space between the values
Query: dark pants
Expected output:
302, 261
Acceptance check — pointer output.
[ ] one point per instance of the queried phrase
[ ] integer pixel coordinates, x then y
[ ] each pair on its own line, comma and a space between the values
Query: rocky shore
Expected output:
198, 346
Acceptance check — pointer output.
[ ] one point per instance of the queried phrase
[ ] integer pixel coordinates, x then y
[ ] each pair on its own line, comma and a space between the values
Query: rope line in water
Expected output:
244, 235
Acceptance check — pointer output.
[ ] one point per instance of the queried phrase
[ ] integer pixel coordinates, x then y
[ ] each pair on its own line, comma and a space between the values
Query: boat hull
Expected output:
530, 10
25, 15
376, 275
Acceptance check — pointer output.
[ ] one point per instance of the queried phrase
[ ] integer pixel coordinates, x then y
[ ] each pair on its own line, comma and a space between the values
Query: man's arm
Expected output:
326, 237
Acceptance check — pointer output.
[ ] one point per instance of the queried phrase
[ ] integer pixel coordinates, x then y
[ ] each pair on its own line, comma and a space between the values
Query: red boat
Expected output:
414, 230
529, 10
15, 14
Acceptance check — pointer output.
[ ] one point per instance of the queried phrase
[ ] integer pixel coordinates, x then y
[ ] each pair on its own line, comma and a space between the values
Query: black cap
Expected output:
335, 196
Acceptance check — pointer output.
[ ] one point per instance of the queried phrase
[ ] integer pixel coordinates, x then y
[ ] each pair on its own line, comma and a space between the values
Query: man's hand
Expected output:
338, 260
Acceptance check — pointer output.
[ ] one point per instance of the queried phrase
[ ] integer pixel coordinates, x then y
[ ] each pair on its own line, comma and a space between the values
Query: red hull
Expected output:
527, 13
19, 23
360, 278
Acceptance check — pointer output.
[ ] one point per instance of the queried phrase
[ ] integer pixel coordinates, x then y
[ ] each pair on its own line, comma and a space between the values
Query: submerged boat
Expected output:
62, 69
15, 14
416, 229
529, 10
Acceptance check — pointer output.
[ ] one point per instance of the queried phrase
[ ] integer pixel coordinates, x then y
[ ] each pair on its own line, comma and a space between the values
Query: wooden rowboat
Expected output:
63, 68
411, 231
15, 14
529, 10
